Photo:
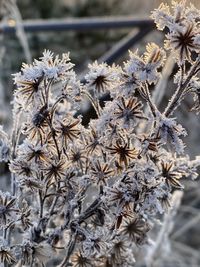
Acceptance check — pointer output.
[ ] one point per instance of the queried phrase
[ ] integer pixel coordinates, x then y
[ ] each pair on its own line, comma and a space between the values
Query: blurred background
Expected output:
110, 44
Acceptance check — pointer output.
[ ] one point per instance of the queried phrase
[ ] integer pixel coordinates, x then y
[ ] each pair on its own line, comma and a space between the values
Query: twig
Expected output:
166, 227
159, 90
70, 249
178, 96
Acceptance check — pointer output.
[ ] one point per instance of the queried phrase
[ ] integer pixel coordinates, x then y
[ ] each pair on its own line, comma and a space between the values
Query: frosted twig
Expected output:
166, 227
159, 90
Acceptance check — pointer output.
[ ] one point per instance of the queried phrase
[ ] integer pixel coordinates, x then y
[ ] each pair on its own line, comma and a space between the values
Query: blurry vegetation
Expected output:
83, 46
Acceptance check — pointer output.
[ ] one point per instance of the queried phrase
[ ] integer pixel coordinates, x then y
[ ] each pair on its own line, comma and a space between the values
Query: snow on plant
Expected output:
88, 195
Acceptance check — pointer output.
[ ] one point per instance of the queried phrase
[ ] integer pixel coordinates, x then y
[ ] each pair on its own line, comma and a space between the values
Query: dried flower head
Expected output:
101, 77
136, 229
37, 125
78, 260
36, 153
22, 168
183, 42
29, 89
154, 54
68, 130
93, 142
183, 36
170, 131
101, 172
171, 175
145, 68
129, 111
6, 255
123, 152
7, 207
55, 170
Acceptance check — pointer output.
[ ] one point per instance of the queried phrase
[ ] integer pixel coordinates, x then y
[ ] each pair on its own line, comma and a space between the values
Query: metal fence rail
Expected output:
143, 26
77, 24
124, 45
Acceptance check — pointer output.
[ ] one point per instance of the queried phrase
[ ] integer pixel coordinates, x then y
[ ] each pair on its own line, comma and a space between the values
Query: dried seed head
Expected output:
78, 260
136, 229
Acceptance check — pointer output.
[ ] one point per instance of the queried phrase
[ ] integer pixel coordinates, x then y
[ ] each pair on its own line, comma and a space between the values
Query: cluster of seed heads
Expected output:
87, 195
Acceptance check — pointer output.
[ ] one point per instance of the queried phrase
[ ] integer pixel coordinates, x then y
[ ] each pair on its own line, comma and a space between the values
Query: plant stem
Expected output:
144, 92
71, 246
179, 94
92, 101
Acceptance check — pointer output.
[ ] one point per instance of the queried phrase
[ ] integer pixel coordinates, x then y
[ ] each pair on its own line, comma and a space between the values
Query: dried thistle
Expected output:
85, 195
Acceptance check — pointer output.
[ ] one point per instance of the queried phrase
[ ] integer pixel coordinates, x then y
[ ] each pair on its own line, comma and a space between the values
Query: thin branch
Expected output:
166, 227
70, 249
179, 94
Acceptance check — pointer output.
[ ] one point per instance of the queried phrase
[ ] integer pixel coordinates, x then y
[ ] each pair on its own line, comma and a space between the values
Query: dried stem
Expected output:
166, 227
94, 103
70, 249
176, 99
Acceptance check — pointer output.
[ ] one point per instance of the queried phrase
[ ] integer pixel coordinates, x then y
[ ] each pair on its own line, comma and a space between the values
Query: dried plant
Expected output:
88, 195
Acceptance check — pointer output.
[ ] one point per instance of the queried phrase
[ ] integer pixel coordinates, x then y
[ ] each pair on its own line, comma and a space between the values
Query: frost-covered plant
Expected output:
88, 195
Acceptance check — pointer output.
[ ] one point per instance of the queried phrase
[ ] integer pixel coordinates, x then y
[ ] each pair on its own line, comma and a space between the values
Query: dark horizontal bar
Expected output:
77, 24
